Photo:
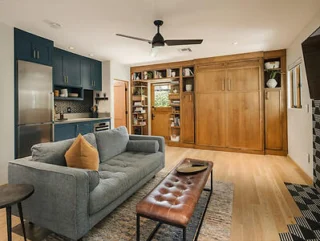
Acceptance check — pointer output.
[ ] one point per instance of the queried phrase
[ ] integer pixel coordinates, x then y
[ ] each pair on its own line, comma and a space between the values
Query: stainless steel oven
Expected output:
101, 126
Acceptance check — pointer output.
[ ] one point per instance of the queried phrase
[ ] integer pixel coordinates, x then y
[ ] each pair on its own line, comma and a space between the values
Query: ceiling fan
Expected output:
158, 40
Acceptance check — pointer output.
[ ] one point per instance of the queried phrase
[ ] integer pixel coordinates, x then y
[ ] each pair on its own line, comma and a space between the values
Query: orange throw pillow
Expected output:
82, 154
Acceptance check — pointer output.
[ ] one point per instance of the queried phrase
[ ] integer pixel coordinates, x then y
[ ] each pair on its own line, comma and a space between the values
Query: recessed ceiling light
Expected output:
235, 43
53, 24
71, 48
91, 55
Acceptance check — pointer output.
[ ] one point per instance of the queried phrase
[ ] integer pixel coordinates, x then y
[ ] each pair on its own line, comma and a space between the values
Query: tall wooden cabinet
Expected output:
187, 119
276, 139
228, 106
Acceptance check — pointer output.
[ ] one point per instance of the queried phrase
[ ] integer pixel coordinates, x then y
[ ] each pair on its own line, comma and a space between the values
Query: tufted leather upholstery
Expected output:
174, 199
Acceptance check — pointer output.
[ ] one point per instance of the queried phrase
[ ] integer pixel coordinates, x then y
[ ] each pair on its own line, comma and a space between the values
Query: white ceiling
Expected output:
90, 25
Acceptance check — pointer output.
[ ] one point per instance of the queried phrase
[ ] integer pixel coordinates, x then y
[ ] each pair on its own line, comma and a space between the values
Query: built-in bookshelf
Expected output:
139, 107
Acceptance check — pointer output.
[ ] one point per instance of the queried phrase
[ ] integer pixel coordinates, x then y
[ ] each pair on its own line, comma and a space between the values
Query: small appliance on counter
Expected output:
62, 118
94, 110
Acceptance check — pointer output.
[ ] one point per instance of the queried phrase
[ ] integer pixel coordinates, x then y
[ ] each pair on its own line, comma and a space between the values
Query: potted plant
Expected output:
272, 83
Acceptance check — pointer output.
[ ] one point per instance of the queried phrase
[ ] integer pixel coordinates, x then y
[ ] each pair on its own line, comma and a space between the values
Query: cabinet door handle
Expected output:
267, 95
223, 84
38, 54
34, 53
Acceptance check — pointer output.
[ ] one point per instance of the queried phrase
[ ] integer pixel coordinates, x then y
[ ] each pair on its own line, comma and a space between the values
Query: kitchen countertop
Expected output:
75, 120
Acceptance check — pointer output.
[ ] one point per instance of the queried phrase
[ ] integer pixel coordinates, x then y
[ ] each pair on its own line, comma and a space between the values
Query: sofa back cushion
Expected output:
112, 142
53, 152
148, 146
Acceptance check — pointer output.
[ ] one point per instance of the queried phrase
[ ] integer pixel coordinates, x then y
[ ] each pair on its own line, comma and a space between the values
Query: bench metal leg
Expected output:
184, 234
138, 228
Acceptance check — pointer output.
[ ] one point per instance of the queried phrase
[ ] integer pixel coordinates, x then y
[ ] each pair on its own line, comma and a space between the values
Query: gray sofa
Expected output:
70, 201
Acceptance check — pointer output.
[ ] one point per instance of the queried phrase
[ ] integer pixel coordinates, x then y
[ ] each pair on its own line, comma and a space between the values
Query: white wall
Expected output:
111, 71
6, 100
300, 120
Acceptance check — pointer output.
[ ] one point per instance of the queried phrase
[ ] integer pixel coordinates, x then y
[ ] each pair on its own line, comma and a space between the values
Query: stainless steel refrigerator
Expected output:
35, 105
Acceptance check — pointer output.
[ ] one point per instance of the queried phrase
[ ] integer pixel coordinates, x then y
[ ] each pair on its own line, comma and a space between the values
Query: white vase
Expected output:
272, 83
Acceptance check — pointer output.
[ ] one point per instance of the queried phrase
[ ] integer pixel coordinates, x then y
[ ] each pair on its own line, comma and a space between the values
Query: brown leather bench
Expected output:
173, 201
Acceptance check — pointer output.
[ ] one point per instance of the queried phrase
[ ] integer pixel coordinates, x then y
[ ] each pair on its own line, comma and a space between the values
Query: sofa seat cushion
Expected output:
119, 174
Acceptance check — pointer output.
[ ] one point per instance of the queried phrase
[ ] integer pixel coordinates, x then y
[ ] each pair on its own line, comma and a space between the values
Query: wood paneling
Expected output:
210, 80
210, 119
243, 120
243, 79
187, 119
273, 119
228, 106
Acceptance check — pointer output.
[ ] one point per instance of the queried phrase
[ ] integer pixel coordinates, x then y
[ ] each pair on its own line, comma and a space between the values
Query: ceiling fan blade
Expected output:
174, 42
127, 36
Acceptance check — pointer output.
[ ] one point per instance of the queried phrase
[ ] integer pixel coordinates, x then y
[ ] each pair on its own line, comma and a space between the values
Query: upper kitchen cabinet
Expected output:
91, 74
66, 69
32, 48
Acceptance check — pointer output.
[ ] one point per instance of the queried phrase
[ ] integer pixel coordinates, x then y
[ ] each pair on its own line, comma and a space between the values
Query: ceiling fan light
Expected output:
157, 45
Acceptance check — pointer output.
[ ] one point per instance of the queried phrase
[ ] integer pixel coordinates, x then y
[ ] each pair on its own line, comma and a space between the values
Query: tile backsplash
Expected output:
76, 106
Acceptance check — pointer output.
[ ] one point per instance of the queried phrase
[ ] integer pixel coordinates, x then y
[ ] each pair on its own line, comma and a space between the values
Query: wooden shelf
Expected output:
138, 125
185, 77
173, 96
175, 105
139, 86
175, 127
266, 70
140, 106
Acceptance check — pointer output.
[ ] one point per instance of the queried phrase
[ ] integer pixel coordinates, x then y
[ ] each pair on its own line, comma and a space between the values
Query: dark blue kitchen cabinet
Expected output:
96, 74
91, 74
32, 48
57, 68
64, 131
87, 82
84, 128
66, 69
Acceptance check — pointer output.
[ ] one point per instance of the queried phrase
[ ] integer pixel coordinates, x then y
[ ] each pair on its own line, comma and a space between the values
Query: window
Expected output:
161, 95
295, 87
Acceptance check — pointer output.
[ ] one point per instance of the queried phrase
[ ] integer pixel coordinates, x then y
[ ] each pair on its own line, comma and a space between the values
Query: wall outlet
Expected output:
308, 157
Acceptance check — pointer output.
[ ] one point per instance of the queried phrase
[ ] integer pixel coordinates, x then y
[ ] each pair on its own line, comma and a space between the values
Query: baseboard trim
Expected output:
276, 152
305, 176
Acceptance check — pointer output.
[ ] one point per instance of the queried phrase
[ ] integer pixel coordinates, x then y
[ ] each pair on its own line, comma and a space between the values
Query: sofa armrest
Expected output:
160, 139
61, 198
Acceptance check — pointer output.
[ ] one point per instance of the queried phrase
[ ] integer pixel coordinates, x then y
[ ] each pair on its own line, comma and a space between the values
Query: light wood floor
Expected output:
262, 205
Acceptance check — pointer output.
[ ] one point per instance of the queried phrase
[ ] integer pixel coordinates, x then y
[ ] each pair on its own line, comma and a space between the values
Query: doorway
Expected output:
120, 90
160, 110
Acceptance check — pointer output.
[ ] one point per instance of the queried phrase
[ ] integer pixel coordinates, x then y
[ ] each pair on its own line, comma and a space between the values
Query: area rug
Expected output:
120, 225
307, 227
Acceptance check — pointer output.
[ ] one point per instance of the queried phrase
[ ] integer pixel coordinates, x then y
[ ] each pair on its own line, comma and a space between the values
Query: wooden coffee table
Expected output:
11, 194
174, 200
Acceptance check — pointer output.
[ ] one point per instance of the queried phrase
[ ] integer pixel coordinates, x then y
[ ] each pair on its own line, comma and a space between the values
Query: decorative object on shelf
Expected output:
175, 91
173, 74
64, 93
56, 93
75, 95
145, 75
272, 65
104, 95
97, 95
175, 138
169, 72
272, 83
188, 87
187, 72
149, 75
